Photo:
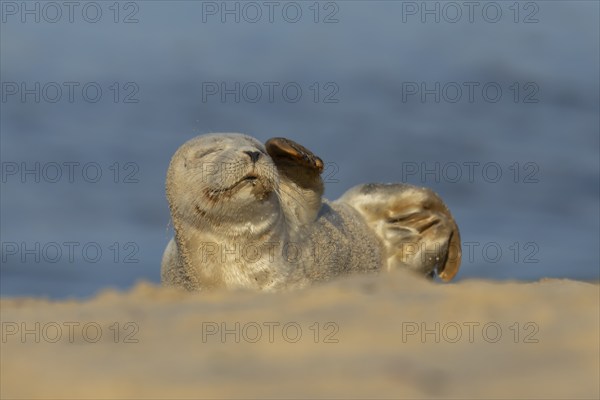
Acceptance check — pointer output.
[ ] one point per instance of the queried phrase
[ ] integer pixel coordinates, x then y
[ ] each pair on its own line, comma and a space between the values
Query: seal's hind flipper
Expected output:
414, 224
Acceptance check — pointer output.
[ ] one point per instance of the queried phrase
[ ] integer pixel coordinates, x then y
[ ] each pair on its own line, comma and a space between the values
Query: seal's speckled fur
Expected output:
252, 216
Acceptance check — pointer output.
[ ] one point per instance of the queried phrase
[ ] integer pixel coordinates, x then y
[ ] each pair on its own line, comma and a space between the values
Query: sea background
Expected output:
375, 131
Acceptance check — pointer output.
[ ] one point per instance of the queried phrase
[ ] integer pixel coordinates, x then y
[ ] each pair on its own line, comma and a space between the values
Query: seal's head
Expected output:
220, 178
231, 182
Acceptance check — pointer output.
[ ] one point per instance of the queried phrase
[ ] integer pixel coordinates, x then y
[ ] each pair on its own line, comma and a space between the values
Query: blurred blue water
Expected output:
545, 225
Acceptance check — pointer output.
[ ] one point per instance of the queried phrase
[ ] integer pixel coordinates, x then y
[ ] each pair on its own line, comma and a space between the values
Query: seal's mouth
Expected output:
251, 178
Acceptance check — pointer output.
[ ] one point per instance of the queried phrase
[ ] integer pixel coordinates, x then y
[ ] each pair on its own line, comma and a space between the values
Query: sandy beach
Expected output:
387, 336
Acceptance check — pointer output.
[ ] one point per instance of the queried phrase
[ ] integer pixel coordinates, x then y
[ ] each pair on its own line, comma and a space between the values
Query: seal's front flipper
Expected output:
287, 153
414, 224
301, 186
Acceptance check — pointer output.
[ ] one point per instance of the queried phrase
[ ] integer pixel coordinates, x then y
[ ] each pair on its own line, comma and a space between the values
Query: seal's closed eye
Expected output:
206, 152
282, 149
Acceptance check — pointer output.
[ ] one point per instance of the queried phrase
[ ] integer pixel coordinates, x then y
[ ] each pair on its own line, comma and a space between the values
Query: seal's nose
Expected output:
254, 155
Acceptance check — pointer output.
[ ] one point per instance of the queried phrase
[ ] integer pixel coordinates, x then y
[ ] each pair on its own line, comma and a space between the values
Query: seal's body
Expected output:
252, 216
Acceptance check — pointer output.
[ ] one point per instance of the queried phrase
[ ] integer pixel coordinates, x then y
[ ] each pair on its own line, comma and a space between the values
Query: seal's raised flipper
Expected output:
300, 172
287, 153
414, 224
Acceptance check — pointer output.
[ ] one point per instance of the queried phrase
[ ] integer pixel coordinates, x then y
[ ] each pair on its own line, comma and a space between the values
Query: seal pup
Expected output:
252, 216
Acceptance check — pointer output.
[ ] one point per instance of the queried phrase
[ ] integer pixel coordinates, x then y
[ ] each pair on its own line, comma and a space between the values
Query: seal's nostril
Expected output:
254, 155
